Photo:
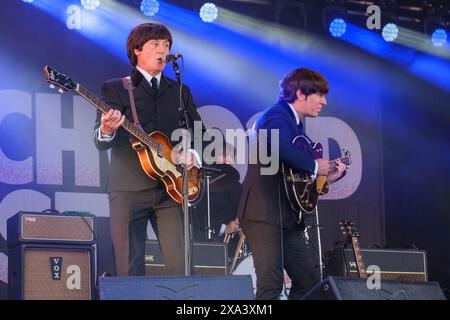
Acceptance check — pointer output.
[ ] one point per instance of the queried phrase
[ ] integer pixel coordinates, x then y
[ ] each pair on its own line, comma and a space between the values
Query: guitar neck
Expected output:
332, 163
358, 257
127, 125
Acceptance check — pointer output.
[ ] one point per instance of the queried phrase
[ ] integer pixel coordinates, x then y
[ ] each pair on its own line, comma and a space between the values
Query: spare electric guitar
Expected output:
302, 190
349, 230
154, 150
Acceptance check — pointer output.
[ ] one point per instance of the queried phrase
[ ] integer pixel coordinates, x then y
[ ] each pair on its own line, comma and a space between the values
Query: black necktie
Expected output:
154, 82
300, 128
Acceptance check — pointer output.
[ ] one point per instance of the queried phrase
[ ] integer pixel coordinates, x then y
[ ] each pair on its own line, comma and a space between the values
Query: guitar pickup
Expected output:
137, 145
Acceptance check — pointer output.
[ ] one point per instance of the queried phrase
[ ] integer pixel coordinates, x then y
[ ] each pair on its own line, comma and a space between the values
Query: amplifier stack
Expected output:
51, 256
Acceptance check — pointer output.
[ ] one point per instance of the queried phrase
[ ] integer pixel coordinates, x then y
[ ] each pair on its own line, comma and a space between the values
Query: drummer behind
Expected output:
224, 196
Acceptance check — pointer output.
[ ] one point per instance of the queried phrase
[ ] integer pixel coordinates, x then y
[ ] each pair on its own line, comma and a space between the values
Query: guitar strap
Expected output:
128, 85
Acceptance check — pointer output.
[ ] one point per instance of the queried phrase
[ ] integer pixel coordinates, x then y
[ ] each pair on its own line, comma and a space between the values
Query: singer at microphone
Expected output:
171, 57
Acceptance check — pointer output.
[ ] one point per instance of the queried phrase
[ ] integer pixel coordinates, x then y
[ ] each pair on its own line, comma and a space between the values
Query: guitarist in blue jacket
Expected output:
274, 235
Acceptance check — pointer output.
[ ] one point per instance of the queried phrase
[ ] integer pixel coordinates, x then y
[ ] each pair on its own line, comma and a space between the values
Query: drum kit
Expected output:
218, 179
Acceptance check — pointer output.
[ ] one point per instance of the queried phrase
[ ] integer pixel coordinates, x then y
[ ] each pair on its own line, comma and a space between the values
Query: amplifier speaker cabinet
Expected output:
51, 272
176, 288
34, 227
208, 258
394, 264
337, 288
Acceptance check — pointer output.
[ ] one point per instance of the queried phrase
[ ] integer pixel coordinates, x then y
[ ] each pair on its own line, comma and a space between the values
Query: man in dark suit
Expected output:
274, 235
135, 198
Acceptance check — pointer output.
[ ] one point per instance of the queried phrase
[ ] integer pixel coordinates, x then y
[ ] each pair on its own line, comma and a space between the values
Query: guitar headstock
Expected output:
348, 228
57, 79
346, 159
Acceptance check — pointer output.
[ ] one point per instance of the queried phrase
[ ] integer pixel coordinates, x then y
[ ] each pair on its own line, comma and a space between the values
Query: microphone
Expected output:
171, 57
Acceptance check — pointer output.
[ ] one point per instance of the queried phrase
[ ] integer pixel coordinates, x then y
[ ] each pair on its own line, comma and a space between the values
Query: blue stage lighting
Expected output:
28, 1
90, 4
390, 32
337, 27
208, 12
149, 7
439, 37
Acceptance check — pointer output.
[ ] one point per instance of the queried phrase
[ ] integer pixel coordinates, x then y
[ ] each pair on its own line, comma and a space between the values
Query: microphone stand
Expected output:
319, 241
184, 122
319, 244
209, 229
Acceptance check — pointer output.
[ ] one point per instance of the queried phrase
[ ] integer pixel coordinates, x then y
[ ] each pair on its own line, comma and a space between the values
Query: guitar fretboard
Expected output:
332, 163
358, 257
127, 125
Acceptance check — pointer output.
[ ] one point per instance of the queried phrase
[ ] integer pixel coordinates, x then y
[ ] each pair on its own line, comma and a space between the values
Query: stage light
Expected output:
435, 29
390, 32
439, 37
90, 4
149, 7
28, 1
208, 12
337, 27
334, 20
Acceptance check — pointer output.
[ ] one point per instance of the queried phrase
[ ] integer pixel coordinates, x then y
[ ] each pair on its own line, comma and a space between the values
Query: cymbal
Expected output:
221, 176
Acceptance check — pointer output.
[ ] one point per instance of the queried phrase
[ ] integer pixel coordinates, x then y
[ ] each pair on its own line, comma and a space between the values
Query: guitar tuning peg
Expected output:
60, 90
52, 86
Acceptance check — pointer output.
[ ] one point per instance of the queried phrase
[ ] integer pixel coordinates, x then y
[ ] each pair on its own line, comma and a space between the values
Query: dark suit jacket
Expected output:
155, 113
260, 200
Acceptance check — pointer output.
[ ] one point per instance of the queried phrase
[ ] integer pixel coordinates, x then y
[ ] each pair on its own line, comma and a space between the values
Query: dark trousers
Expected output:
272, 250
129, 216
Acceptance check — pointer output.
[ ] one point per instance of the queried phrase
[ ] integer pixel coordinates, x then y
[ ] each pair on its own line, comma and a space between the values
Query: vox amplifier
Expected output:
35, 227
394, 264
209, 258
51, 272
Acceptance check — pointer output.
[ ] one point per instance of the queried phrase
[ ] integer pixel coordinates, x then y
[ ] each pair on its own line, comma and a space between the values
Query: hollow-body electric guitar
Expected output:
302, 190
